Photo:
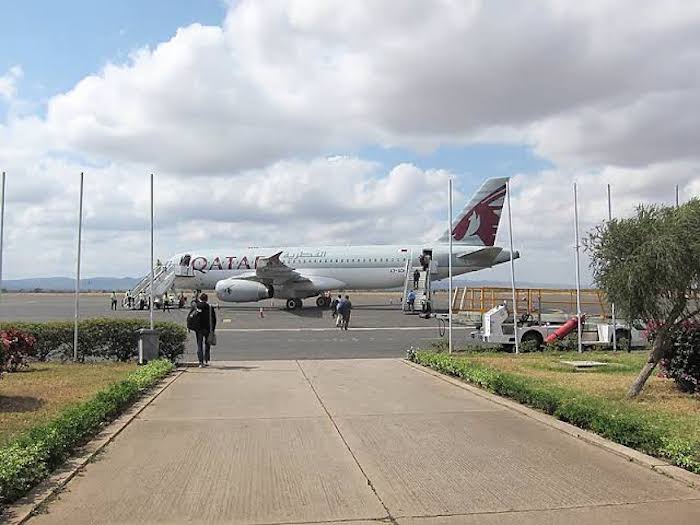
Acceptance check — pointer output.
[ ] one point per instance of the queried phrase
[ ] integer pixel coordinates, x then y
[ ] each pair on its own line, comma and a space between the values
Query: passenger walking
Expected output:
142, 300
114, 301
344, 309
412, 301
425, 303
125, 301
336, 310
202, 321
416, 278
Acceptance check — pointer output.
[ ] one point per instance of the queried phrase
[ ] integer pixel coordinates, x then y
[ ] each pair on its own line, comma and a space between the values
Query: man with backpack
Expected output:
202, 321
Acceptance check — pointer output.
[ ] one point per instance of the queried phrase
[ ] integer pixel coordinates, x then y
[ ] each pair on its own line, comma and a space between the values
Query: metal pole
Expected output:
612, 305
152, 276
77, 273
2, 229
449, 226
677, 200
512, 270
578, 271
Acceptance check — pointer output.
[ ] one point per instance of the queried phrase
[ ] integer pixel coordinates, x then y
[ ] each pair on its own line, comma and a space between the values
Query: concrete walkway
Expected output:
353, 442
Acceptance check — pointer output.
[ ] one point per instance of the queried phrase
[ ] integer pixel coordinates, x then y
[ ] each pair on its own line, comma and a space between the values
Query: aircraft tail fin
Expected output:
478, 222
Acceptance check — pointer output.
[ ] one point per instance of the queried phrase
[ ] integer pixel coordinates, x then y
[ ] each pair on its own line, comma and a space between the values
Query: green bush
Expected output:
683, 365
611, 420
29, 459
110, 339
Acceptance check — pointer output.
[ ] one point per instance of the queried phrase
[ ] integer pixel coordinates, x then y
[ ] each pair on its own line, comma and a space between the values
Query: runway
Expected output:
378, 328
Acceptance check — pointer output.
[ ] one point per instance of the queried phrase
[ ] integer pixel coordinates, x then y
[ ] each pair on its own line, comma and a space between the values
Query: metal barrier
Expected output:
535, 301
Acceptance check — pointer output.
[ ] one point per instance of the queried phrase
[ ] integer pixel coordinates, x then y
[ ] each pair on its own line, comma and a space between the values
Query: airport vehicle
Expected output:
498, 328
294, 273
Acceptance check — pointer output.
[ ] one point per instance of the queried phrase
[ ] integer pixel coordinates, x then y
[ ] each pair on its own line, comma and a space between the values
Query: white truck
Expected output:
496, 329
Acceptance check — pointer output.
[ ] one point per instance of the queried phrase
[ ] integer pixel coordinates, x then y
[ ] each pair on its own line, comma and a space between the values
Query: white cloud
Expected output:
238, 120
341, 200
8, 82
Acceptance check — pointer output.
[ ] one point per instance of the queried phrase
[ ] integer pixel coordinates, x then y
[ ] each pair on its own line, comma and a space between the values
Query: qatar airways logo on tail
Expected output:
482, 219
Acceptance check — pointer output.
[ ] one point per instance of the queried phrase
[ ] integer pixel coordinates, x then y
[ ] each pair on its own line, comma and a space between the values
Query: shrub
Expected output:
109, 339
568, 344
613, 421
529, 346
17, 347
29, 459
684, 363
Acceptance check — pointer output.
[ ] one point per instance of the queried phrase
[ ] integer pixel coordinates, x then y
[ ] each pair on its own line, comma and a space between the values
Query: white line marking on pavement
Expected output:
372, 329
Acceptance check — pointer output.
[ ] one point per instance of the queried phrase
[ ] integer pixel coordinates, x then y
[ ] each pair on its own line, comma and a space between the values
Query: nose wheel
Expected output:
293, 304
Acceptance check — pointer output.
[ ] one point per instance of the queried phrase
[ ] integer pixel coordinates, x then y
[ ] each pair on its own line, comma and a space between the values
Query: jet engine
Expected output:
241, 291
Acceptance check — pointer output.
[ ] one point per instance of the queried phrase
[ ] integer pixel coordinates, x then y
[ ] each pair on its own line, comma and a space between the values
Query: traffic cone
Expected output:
262, 313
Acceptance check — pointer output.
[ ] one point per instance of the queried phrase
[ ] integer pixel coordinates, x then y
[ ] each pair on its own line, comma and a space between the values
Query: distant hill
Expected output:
67, 284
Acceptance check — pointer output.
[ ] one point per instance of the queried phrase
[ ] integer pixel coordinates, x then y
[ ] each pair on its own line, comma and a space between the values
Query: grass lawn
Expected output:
37, 393
660, 398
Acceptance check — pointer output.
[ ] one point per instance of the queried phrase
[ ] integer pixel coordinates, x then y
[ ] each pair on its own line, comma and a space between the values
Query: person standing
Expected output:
416, 278
202, 320
114, 300
345, 312
334, 307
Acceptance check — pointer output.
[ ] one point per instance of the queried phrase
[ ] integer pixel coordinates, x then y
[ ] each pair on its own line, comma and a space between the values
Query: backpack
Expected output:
194, 318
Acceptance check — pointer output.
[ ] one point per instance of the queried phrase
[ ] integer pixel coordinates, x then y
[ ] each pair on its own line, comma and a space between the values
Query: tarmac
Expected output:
378, 327
355, 442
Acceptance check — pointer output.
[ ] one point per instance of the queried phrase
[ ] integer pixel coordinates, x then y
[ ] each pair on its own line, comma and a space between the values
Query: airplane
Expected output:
296, 273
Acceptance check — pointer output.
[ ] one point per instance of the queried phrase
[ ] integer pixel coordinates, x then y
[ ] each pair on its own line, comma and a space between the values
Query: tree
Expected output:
649, 266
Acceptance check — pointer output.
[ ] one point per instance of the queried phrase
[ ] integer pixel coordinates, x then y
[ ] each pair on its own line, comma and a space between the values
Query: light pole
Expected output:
152, 275
2, 228
77, 273
449, 229
578, 271
512, 270
612, 305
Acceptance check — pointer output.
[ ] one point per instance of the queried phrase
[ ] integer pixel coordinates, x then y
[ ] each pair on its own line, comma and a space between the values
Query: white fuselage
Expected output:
329, 267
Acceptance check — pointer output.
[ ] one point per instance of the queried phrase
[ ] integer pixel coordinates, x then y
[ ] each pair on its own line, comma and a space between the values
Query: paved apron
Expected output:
353, 442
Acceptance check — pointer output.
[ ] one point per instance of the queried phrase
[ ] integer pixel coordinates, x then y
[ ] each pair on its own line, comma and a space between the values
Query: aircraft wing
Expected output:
481, 257
270, 270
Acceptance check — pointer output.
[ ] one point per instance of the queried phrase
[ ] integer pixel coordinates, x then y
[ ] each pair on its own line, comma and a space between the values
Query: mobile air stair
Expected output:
422, 290
163, 280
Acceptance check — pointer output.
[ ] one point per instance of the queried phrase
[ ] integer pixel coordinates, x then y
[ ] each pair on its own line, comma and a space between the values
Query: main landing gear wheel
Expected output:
293, 304
323, 302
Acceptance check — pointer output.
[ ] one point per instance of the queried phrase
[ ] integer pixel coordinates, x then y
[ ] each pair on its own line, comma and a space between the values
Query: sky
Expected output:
327, 122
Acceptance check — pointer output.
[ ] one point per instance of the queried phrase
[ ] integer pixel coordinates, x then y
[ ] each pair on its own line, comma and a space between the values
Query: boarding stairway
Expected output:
163, 280
423, 287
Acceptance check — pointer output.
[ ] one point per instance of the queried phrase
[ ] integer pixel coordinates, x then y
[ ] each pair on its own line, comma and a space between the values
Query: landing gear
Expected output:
293, 304
322, 301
